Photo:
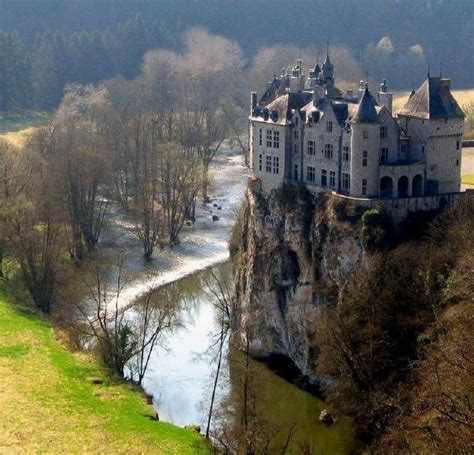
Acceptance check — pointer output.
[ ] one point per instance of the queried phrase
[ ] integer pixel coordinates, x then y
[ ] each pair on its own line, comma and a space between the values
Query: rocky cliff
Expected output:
292, 251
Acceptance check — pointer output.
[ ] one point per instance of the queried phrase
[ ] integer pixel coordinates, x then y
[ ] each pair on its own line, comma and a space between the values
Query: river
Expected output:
181, 369
181, 372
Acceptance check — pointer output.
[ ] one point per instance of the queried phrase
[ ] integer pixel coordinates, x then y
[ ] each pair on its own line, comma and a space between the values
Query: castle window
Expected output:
345, 153
297, 148
332, 179
364, 158
366, 134
260, 162
324, 177
329, 127
276, 139
384, 155
457, 162
268, 164
296, 172
423, 150
296, 135
310, 174
311, 148
328, 150
383, 132
364, 187
260, 136
404, 148
269, 138
457, 145
346, 181
276, 165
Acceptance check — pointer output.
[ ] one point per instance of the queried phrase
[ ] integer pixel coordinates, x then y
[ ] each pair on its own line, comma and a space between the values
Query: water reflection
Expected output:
180, 377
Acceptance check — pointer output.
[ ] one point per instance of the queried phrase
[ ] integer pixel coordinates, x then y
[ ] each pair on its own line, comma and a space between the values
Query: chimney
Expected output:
253, 101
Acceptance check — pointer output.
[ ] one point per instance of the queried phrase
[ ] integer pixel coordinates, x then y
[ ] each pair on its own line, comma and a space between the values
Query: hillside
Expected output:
68, 399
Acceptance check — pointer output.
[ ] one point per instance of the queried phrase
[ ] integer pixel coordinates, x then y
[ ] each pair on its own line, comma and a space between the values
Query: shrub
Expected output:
377, 230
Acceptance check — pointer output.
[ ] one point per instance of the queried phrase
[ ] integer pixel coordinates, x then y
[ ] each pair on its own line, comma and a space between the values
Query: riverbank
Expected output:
53, 401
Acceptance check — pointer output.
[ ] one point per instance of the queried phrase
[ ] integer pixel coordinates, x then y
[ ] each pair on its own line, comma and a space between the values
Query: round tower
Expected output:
365, 143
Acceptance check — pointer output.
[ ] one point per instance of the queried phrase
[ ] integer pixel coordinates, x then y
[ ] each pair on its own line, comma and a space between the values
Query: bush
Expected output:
378, 232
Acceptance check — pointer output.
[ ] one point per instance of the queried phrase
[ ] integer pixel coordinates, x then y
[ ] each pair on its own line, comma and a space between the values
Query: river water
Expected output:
181, 368
181, 372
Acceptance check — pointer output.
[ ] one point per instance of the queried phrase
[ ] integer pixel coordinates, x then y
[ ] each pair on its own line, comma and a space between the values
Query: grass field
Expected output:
16, 128
53, 401
468, 179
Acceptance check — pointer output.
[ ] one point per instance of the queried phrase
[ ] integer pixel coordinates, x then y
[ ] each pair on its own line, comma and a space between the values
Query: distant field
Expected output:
16, 128
463, 97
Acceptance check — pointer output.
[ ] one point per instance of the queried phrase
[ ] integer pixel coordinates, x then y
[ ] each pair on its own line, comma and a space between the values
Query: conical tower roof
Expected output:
365, 112
433, 100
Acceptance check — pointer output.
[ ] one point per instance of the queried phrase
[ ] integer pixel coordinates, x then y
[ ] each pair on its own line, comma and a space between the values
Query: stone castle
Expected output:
306, 130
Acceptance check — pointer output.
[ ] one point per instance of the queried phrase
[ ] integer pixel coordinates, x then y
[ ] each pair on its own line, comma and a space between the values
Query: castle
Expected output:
306, 130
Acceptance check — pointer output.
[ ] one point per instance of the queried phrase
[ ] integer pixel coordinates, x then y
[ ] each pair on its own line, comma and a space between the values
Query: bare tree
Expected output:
180, 185
153, 317
32, 228
219, 289
146, 210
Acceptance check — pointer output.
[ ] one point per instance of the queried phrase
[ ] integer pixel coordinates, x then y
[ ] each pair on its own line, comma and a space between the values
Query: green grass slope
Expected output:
53, 401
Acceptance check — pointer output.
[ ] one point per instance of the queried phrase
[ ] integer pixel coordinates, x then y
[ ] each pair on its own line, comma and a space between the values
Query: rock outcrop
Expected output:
292, 251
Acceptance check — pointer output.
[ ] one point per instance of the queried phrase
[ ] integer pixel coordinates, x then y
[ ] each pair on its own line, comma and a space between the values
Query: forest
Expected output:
87, 42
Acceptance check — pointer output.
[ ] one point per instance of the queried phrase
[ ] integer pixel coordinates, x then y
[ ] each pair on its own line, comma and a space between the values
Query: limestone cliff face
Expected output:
294, 251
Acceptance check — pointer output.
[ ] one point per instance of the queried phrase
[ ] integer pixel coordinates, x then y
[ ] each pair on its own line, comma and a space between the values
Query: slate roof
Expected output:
365, 111
283, 107
433, 100
275, 88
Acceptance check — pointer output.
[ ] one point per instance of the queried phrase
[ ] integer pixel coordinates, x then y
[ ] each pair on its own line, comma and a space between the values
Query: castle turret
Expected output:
328, 69
384, 98
435, 124
314, 77
365, 143
297, 78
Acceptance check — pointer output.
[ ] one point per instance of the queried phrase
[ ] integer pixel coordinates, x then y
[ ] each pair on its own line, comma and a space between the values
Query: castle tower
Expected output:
435, 124
365, 142
384, 98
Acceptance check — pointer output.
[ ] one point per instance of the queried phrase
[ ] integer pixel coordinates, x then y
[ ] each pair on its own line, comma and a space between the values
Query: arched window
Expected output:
403, 186
386, 187
417, 186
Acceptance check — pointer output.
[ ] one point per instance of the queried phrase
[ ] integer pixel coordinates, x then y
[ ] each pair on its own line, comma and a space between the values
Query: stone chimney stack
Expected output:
384, 98
253, 101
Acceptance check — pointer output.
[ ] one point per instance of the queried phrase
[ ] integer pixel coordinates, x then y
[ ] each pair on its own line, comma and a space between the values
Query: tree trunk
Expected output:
205, 183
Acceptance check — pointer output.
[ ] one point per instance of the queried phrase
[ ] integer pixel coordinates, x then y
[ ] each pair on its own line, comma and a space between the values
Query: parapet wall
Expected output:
400, 207
397, 207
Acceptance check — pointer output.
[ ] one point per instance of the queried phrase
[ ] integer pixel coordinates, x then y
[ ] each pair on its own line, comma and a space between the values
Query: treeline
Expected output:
146, 144
400, 344
33, 76
46, 45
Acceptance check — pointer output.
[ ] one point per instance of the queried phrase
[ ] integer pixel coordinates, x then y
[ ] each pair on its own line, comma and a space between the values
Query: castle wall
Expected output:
268, 162
321, 137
